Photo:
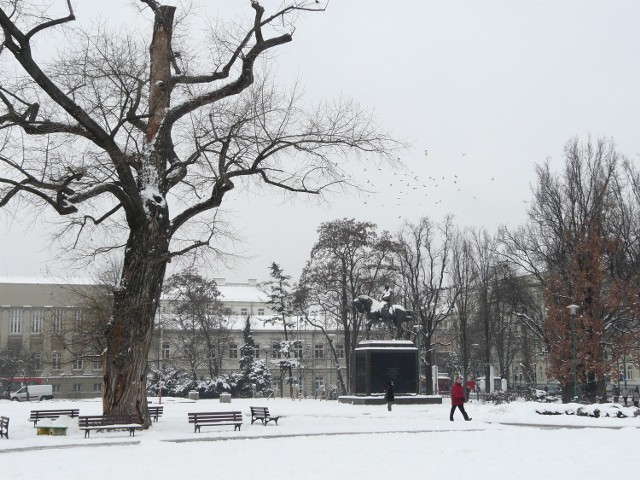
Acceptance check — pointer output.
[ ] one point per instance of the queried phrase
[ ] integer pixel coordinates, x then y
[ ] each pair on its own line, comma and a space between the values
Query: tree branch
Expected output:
52, 23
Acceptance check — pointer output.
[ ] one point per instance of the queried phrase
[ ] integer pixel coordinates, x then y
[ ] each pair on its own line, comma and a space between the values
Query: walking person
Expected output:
635, 397
457, 399
625, 395
388, 396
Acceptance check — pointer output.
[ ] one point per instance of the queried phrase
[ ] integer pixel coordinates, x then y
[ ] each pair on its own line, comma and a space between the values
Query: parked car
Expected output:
33, 392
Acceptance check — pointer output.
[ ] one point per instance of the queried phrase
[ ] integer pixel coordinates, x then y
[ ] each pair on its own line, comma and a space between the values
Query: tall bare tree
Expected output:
464, 277
304, 306
424, 261
349, 259
579, 251
196, 322
137, 146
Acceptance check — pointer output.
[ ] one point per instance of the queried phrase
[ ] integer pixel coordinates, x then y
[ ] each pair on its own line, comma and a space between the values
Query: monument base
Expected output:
399, 400
378, 362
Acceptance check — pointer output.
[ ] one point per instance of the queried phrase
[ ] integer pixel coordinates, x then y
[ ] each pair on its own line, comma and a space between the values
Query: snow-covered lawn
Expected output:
319, 440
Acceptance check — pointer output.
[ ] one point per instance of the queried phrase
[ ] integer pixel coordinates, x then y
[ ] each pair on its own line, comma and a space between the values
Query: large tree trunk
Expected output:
137, 297
130, 332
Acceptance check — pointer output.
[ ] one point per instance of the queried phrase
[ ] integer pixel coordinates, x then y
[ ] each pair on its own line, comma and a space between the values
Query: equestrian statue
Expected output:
382, 311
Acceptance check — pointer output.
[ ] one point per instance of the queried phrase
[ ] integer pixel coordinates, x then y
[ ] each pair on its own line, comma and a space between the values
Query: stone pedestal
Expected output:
378, 362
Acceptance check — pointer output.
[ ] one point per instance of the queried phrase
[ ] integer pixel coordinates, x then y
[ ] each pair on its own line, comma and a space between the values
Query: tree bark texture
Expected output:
130, 332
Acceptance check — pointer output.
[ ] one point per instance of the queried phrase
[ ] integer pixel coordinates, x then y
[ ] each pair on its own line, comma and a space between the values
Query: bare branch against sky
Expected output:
481, 90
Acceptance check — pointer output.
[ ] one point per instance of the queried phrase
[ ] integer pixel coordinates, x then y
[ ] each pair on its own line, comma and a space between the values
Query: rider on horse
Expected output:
387, 299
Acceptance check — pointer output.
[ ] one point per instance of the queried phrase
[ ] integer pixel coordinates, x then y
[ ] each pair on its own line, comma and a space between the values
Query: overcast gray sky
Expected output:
483, 90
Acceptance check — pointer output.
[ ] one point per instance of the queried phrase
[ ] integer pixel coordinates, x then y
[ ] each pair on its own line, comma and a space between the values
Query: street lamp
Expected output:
573, 309
474, 356
417, 329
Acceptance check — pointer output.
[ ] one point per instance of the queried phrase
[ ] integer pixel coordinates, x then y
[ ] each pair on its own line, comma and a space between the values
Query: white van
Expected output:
35, 392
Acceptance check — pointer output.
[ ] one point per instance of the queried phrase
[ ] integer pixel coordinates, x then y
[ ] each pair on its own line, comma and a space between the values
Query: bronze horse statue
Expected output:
377, 311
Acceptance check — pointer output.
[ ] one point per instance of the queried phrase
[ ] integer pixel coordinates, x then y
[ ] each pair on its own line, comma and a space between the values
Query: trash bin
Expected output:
225, 398
194, 395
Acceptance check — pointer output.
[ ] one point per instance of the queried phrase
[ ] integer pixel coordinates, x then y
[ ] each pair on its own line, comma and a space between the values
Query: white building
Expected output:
46, 323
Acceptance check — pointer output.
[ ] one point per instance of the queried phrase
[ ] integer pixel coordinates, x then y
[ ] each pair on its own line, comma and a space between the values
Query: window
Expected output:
97, 387
275, 351
319, 381
37, 320
340, 350
261, 311
233, 350
166, 351
629, 373
15, 321
244, 311
78, 320
77, 387
77, 361
298, 350
55, 388
56, 360
37, 361
57, 318
256, 351
318, 351
96, 363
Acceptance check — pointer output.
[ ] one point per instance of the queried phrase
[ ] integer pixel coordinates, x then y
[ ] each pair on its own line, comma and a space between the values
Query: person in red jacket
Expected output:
457, 399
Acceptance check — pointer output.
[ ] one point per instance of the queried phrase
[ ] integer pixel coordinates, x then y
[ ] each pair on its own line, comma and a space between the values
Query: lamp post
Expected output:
474, 354
573, 309
417, 329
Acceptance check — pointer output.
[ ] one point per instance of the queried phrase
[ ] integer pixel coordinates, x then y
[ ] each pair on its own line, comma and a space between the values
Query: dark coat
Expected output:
457, 394
388, 396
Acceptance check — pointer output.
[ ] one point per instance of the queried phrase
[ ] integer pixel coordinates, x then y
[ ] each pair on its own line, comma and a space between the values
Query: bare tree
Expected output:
464, 277
15, 363
196, 322
136, 146
579, 251
424, 257
303, 305
349, 259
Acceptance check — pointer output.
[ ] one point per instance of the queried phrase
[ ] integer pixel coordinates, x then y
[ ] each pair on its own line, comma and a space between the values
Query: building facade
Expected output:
52, 332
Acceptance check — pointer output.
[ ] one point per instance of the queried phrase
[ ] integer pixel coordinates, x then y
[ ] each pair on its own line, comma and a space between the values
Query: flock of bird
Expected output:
385, 188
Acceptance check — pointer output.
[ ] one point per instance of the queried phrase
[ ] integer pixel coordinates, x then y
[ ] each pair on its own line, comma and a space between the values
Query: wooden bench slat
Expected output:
212, 419
37, 415
109, 422
262, 414
155, 412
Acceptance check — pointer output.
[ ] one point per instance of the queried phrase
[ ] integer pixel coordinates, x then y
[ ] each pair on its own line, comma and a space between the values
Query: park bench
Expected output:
109, 422
155, 412
37, 415
213, 419
4, 427
262, 414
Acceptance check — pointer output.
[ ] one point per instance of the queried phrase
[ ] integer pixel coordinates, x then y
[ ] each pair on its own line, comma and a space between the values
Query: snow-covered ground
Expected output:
319, 440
